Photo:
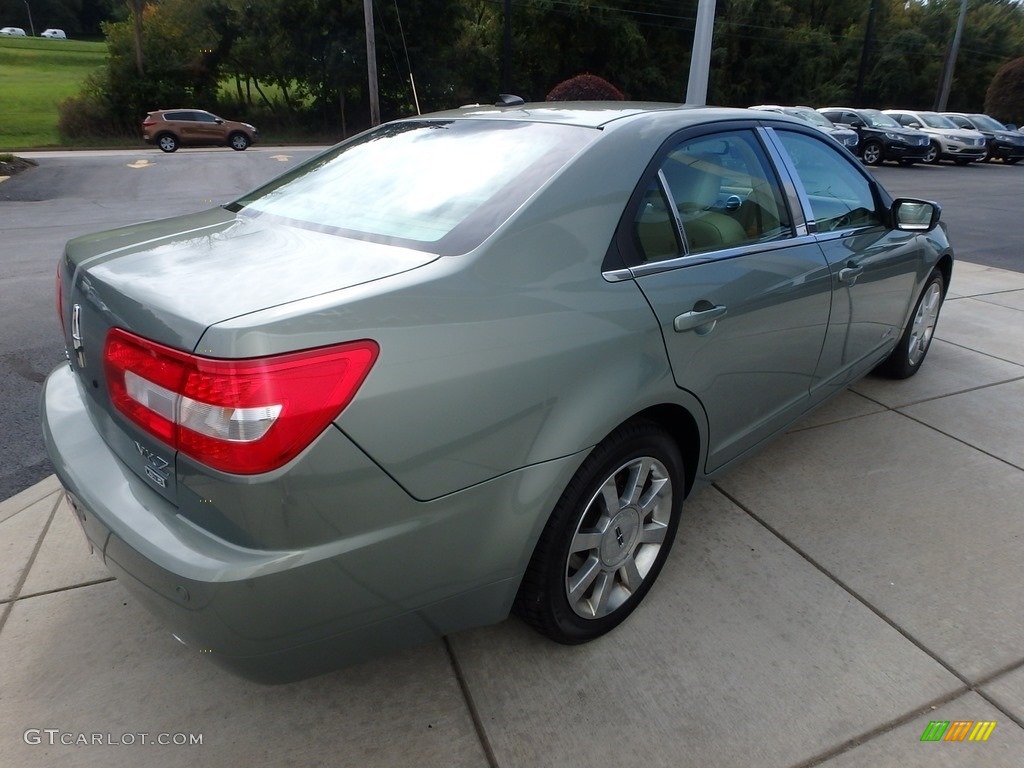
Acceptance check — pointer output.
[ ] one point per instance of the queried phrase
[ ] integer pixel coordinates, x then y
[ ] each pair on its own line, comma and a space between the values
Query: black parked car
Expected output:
1002, 143
881, 137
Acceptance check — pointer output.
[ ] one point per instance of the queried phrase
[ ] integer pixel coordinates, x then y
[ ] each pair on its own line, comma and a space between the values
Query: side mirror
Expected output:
911, 215
856, 123
914, 124
1011, 127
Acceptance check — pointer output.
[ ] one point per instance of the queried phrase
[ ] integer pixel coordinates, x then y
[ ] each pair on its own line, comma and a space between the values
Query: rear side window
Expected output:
719, 190
440, 186
840, 196
178, 116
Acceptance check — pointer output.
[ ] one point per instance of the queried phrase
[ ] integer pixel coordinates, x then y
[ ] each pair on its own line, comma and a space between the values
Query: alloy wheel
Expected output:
618, 538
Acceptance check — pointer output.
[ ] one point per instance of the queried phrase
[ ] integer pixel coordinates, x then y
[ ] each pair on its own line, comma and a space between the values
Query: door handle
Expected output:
700, 320
849, 275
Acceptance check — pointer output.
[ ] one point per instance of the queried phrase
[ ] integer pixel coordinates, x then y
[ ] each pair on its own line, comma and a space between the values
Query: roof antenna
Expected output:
509, 100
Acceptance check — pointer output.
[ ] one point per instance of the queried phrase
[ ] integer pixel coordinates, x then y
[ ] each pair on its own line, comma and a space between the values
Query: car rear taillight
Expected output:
243, 416
148, 122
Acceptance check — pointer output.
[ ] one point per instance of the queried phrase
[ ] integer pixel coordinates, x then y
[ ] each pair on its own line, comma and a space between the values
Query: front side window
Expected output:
840, 196
724, 192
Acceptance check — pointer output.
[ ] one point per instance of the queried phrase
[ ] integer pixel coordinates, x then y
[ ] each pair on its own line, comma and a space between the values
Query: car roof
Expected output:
597, 114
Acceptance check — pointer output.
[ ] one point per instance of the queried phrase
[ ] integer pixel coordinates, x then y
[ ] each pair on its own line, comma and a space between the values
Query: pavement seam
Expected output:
979, 352
31, 561
881, 730
843, 585
1014, 380
57, 590
960, 440
474, 712
967, 685
987, 293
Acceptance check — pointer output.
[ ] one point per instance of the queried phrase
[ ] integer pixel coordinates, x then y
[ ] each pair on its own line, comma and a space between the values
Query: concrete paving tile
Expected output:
948, 369
743, 654
1008, 691
848, 405
28, 497
89, 660
19, 535
990, 419
63, 559
976, 279
902, 746
925, 528
1011, 299
983, 327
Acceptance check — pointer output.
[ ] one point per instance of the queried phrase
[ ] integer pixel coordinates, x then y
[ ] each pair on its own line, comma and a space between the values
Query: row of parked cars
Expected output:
909, 136
53, 34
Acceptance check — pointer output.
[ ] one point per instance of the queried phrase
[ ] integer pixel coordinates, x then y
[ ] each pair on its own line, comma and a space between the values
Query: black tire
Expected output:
624, 548
933, 155
906, 359
167, 142
238, 142
872, 153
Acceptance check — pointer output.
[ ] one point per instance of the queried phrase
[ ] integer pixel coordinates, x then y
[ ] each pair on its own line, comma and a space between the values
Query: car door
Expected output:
874, 267
182, 123
207, 129
740, 290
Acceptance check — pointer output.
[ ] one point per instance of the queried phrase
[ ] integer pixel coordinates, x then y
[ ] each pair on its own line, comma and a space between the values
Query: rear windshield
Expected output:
440, 186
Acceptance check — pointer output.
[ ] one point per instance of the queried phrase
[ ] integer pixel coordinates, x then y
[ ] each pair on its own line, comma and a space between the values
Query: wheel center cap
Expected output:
620, 536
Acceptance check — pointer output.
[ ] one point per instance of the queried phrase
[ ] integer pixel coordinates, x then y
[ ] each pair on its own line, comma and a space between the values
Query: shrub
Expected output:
585, 87
1005, 97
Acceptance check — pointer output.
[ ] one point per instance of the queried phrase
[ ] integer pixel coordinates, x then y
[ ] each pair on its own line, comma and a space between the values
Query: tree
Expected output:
1005, 97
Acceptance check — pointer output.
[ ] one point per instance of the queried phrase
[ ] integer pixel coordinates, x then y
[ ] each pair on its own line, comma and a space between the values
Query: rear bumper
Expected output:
431, 568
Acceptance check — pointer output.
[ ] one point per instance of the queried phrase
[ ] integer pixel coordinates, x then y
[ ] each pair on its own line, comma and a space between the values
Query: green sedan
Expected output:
464, 364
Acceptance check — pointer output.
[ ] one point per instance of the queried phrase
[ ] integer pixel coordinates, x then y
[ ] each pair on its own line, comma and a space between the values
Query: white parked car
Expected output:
54, 34
948, 141
12, 32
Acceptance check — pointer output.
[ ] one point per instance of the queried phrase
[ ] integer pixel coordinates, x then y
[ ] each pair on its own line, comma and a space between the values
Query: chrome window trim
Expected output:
689, 260
799, 203
666, 192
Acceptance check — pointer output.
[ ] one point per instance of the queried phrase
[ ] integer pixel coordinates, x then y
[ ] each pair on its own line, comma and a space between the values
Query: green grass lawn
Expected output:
36, 75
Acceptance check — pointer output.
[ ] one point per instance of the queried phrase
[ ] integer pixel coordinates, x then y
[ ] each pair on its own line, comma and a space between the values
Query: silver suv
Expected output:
949, 142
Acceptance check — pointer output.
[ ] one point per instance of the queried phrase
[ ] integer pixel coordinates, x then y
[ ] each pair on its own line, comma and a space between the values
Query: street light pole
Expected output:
31, 26
947, 71
371, 63
700, 57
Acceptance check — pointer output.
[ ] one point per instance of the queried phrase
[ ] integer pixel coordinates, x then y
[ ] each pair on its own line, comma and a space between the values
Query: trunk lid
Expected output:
170, 280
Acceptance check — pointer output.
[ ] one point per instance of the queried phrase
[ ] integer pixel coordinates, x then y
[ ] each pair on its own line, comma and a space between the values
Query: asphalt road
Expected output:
73, 193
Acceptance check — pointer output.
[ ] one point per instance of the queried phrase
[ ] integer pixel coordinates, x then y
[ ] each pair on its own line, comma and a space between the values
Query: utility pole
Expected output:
700, 57
506, 77
865, 54
947, 71
371, 63
31, 26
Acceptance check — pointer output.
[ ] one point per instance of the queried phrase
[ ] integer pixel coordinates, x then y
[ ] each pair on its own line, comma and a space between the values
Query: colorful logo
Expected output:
958, 730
